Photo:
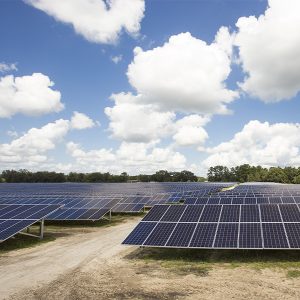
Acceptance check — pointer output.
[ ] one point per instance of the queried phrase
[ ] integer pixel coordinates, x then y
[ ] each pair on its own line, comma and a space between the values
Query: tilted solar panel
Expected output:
245, 226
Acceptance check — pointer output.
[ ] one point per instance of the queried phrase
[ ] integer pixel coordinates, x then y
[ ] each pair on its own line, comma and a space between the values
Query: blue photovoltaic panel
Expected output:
204, 235
201, 201
181, 235
213, 200
230, 213
174, 213
156, 213
73, 214
262, 200
15, 218
293, 233
274, 200
160, 234
237, 201
290, 213
225, 201
192, 213
270, 213
140, 233
250, 213
274, 235
250, 235
211, 213
227, 235
250, 201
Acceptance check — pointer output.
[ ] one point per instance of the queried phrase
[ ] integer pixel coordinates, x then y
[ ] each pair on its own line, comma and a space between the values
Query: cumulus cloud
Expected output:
133, 121
30, 149
190, 130
259, 144
98, 21
185, 74
134, 158
29, 95
81, 121
4, 67
269, 51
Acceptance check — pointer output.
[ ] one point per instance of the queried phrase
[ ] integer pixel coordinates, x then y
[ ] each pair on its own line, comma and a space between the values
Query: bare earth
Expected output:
94, 265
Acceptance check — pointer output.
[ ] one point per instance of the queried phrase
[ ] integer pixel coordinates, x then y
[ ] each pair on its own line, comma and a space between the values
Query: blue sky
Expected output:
76, 53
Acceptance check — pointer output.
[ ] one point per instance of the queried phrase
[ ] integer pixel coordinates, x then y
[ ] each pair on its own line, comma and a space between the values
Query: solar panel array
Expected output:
116, 197
15, 218
238, 226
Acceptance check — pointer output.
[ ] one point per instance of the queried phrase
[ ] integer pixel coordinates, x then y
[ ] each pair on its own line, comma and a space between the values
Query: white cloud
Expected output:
134, 158
12, 133
185, 74
190, 130
132, 121
29, 95
116, 59
4, 67
30, 149
269, 51
98, 21
259, 144
81, 121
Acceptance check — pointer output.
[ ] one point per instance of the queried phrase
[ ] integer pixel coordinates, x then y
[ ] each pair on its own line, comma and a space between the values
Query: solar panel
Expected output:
293, 234
204, 235
250, 236
250, 213
160, 234
230, 213
192, 213
156, 213
174, 213
211, 213
181, 235
15, 218
246, 226
76, 214
274, 235
140, 233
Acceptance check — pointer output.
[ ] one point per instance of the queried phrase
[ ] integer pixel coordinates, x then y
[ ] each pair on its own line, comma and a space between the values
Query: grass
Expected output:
293, 274
205, 260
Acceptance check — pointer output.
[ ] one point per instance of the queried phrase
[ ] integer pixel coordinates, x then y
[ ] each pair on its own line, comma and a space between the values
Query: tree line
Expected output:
44, 176
246, 173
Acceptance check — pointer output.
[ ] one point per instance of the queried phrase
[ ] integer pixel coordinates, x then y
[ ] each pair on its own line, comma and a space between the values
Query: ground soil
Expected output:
92, 264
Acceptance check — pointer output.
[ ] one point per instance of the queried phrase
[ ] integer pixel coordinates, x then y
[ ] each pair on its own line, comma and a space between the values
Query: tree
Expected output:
277, 175
219, 173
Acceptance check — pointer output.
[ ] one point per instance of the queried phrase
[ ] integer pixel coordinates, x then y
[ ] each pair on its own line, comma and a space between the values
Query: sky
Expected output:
140, 86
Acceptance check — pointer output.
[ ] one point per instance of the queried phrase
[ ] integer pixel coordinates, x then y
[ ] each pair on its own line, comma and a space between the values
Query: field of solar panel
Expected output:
197, 241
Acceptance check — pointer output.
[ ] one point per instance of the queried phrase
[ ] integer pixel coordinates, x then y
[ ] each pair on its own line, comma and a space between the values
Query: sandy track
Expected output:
33, 267
95, 266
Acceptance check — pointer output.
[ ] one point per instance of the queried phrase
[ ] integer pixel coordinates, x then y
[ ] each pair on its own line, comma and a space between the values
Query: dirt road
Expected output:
36, 266
94, 265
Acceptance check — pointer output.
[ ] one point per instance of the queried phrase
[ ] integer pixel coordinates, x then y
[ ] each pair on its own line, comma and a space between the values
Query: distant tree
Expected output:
296, 179
201, 179
161, 176
220, 173
277, 174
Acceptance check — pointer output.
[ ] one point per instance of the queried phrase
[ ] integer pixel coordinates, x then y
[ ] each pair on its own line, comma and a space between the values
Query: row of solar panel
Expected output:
14, 218
239, 200
224, 213
216, 235
20, 212
78, 214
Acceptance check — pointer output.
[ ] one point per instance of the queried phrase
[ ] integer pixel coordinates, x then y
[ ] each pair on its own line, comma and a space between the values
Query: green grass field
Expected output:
201, 261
